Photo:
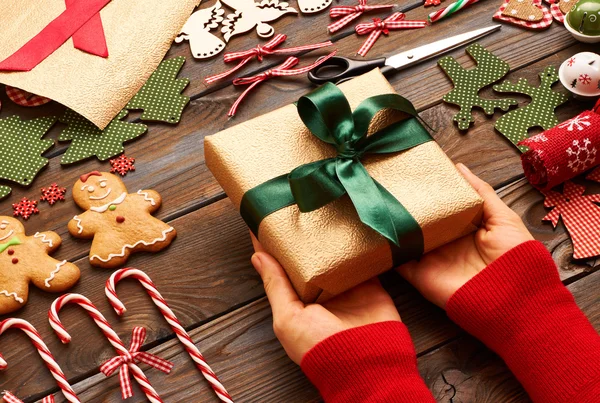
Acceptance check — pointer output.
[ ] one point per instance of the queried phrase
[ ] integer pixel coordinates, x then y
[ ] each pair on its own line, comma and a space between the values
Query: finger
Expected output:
256, 243
278, 288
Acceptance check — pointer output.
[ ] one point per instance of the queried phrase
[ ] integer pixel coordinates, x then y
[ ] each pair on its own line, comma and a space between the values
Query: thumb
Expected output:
278, 288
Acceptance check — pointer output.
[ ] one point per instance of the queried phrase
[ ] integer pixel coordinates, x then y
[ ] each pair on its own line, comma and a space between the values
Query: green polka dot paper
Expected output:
160, 98
21, 149
468, 83
89, 141
539, 112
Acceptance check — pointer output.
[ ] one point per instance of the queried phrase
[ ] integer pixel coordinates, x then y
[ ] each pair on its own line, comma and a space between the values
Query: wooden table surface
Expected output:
206, 273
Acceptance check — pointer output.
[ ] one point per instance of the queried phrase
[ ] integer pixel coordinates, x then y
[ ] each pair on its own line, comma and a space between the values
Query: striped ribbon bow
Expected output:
10, 398
350, 13
133, 356
378, 27
283, 70
260, 52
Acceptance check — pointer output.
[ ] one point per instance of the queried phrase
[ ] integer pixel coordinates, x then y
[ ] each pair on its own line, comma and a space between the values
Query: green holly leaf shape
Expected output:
160, 98
87, 140
21, 149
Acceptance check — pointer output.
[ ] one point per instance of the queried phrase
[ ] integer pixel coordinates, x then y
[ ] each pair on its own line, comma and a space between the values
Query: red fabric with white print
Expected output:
555, 11
563, 152
24, 98
350, 13
543, 24
378, 27
581, 216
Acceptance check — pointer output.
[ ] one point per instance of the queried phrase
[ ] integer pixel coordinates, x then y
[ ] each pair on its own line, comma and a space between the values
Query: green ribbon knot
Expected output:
327, 114
12, 242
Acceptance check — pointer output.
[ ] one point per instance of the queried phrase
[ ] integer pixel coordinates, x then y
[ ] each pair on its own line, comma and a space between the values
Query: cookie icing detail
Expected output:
147, 197
105, 207
112, 255
44, 238
7, 235
79, 226
13, 295
13, 241
53, 273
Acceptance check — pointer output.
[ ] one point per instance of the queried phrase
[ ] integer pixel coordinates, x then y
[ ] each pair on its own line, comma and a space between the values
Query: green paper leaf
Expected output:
538, 113
468, 83
160, 97
21, 149
88, 141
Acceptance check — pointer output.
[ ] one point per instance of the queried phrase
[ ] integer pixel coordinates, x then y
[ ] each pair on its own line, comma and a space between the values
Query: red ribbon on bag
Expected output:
283, 70
81, 20
123, 361
260, 52
378, 27
350, 13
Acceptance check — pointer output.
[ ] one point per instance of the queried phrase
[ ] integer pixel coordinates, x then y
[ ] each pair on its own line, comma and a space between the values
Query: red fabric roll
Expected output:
563, 152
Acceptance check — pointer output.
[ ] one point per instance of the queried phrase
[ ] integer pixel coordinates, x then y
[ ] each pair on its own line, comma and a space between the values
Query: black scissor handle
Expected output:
338, 69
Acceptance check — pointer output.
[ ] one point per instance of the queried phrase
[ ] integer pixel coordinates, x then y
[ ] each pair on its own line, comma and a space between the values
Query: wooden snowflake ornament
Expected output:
122, 164
53, 193
25, 208
197, 29
249, 15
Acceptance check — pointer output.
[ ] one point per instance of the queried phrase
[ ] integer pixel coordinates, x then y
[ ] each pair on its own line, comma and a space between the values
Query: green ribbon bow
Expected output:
13, 241
327, 114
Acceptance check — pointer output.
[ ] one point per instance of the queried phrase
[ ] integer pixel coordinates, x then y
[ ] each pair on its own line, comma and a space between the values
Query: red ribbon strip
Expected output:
378, 27
123, 361
349, 14
81, 20
8, 397
283, 70
260, 52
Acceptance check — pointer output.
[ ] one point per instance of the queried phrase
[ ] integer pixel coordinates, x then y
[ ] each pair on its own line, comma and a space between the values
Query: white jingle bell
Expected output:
580, 74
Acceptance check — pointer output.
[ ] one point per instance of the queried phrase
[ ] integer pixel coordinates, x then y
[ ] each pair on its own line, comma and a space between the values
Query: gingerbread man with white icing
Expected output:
25, 259
119, 223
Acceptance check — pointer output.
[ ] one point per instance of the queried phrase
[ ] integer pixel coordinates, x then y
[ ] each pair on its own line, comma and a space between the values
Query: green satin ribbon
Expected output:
327, 114
13, 241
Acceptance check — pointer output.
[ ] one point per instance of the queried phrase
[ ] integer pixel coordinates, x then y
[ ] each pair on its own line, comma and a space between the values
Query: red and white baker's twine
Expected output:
378, 27
168, 314
350, 13
10, 398
283, 70
43, 351
112, 337
260, 52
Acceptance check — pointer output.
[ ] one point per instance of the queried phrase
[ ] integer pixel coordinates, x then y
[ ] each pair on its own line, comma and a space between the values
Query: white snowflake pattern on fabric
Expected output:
539, 138
578, 121
584, 155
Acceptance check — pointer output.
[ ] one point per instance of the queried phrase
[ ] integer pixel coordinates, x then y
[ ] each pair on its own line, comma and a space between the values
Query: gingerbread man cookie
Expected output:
25, 259
119, 223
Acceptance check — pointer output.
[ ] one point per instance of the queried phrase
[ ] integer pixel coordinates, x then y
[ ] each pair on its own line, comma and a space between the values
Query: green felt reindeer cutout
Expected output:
540, 112
468, 83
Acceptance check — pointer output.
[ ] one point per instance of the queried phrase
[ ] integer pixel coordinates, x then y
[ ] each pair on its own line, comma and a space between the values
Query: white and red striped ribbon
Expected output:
283, 70
378, 27
350, 13
10, 398
110, 334
43, 351
170, 317
259, 52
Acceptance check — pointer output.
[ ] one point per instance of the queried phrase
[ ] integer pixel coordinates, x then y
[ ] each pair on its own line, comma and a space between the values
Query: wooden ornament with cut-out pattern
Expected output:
523, 10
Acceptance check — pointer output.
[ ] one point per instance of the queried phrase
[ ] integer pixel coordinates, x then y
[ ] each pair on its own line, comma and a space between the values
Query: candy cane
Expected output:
10, 398
449, 10
168, 314
110, 334
43, 351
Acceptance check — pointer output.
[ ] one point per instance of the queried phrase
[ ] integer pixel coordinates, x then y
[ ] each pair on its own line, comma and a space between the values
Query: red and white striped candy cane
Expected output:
108, 331
162, 305
10, 398
43, 351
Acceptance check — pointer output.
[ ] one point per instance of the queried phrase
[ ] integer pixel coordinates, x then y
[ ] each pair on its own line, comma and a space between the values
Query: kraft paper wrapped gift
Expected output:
329, 250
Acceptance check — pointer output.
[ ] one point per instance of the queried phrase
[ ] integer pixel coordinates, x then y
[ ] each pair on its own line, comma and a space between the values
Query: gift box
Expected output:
344, 235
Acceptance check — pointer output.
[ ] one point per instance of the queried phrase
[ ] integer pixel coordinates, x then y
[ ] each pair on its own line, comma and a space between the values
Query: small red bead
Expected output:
10, 251
15, 260
120, 219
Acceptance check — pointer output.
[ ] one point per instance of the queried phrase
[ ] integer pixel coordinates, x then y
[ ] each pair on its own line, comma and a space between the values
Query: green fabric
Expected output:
88, 141
160, 97
538, 113
21, 147
326, 113
13, 241
468, 83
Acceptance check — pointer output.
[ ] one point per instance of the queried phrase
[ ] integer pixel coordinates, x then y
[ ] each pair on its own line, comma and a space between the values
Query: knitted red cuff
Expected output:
520, 309
373, 363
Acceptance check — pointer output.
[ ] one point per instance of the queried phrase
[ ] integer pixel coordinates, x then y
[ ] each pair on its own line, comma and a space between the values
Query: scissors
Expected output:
339, 69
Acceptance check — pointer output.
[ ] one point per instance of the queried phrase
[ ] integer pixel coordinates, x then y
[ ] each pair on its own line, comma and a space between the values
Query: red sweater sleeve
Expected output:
373, 363
520, 309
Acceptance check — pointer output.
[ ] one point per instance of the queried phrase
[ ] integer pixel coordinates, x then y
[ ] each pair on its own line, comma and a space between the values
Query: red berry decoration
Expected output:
25, 208
53, 193
122, 164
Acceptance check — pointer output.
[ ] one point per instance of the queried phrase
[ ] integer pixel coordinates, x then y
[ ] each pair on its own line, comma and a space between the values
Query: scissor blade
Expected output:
405, 59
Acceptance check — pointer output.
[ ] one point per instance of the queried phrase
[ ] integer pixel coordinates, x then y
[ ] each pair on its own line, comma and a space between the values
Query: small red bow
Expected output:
283, 70
10, 398
351, 13
260, 52
133, 356
377, 27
